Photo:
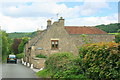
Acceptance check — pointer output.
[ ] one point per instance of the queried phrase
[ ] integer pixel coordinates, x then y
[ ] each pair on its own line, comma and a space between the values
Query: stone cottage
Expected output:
59, 38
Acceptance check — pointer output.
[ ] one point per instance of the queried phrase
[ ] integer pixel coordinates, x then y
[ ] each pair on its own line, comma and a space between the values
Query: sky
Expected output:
31, 15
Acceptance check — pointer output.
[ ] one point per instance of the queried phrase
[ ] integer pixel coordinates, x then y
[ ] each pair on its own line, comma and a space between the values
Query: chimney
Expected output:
48, 23
61, 21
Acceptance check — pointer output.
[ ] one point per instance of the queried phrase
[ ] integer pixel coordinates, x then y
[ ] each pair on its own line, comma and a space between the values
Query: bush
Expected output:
41, 56
55, 64
56, 61
100, 60
117, 38
19, 56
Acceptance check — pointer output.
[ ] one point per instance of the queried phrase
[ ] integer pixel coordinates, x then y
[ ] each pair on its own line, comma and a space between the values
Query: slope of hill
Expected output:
21, 34
110, 28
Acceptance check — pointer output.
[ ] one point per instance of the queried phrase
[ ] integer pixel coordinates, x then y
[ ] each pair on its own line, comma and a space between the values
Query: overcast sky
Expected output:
30, 15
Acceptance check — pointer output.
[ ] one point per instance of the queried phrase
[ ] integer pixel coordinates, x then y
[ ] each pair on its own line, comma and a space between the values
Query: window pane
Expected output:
52, 42
52, 45
56, 42
56, 45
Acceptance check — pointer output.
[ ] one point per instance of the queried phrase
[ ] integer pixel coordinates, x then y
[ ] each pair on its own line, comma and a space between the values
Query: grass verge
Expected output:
43, 74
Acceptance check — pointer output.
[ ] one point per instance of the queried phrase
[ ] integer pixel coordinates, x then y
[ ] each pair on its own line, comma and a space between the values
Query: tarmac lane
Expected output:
12, 70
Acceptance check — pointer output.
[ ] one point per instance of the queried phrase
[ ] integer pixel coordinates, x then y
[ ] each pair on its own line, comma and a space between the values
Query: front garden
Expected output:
95, 61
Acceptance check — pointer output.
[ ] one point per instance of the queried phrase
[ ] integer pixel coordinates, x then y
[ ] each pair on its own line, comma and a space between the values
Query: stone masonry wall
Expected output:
94, 38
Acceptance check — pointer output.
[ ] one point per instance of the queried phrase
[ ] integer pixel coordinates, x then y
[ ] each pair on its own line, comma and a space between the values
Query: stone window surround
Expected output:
55, 42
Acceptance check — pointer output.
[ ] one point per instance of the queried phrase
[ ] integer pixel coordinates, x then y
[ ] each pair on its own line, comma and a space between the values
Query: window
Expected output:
54, 44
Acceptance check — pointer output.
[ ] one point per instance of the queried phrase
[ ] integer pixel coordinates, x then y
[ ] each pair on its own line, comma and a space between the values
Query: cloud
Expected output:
22, 24
37, 10
43, 9
31, 24
93, 21
28, 16
59, 0
89, 8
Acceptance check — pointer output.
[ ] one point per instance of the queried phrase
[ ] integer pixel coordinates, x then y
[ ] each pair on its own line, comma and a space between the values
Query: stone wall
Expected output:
56, 31
93, 38
38, 62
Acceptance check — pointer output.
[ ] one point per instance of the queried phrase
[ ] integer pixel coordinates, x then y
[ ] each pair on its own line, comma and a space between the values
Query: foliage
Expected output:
84, 39
110, 28
96, 61
117, 38
22, 44
44, 73
55, 61
41, 56
4, 42
20, 35
100, 60
19, 56
15, 45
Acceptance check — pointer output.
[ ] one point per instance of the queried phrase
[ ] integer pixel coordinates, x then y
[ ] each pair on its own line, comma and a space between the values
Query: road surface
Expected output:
11, 70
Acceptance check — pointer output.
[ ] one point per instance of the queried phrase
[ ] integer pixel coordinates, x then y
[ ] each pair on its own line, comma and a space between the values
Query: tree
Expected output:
15, 45
22, 44
4, 42
110, 28
117, 38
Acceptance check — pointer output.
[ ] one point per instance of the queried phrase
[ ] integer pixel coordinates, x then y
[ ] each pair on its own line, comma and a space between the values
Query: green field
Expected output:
21, 34
114, 33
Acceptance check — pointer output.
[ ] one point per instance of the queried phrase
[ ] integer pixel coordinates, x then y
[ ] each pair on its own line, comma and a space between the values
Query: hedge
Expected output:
101, 60
97, 61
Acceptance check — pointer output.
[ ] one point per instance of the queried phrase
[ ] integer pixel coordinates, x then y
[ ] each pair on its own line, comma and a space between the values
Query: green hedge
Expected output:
99, 61
56, 61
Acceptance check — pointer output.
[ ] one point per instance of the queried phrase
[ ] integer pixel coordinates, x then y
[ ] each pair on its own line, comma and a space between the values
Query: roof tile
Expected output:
83, 30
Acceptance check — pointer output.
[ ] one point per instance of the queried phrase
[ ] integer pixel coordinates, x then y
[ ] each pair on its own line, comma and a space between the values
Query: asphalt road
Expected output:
11, 70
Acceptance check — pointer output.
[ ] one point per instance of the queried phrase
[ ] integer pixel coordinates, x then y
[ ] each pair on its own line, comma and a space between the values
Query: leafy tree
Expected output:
110, 28
4, 43
22, 44
15, 45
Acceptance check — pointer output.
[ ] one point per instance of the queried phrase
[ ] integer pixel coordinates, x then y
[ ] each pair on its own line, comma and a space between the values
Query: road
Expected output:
11, 70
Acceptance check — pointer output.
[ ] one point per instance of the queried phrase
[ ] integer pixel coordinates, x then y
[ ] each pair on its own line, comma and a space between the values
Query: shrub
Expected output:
56, 61
19, 56
41, 56
117, 38
100, 60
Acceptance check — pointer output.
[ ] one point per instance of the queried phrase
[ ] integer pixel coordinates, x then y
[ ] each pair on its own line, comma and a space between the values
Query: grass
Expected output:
114, 33
43, 74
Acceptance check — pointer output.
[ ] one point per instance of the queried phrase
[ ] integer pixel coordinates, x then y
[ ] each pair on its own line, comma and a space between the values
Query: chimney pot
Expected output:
48, 23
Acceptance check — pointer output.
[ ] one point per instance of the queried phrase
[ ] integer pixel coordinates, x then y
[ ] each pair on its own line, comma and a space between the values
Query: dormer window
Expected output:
54, 44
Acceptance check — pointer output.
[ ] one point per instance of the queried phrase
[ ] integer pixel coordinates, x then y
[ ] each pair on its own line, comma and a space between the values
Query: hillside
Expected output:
21, 34
110, 28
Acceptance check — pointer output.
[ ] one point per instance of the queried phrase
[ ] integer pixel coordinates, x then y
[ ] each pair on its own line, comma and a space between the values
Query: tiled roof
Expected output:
83, 30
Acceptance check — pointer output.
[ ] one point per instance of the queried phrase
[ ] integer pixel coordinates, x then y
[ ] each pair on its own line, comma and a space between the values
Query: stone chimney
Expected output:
48, 23
61, 21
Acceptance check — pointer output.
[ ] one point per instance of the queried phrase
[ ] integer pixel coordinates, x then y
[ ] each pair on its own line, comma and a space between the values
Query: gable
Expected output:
83, 30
